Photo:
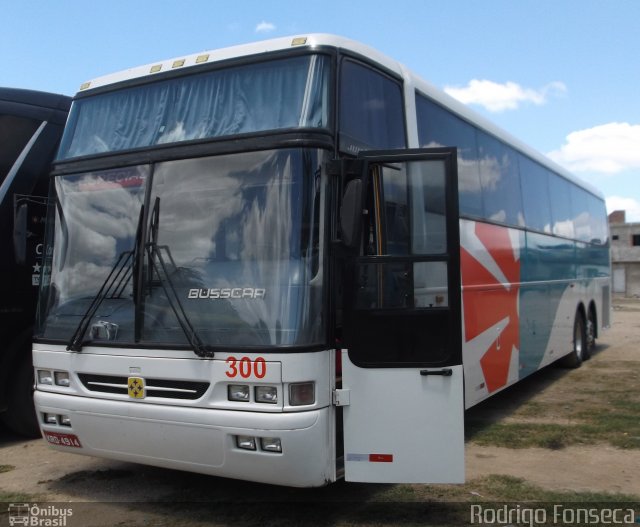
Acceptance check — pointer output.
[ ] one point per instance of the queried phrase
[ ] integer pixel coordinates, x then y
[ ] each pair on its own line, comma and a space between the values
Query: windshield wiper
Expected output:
157, 261
122, 272
112, 287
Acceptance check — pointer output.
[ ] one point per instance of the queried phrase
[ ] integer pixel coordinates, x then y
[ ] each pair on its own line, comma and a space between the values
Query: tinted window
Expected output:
270, 95
371, 109
535, 195
561, 211
599, 224
15, 133
581, 215
396, 211
233, 239
413, 195
438, 127
500, 181
428, 222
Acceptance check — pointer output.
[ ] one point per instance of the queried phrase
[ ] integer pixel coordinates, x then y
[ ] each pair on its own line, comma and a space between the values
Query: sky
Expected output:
561, 75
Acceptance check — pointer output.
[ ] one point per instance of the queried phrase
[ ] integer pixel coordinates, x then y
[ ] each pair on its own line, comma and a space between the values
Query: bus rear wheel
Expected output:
578, 354
590, 334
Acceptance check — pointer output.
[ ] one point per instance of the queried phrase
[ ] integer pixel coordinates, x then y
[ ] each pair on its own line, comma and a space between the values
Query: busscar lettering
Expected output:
253, 293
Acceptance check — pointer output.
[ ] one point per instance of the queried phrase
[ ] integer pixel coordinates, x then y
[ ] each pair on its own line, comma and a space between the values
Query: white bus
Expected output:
294, 260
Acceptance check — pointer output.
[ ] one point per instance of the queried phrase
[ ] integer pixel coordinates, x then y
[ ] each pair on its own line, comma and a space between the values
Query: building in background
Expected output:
625, 254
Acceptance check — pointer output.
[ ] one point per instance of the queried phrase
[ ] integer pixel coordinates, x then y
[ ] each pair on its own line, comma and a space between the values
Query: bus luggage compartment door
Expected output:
403, 427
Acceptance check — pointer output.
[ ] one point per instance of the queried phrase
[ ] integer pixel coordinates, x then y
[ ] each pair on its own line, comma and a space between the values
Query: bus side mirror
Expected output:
20, 234
351, 214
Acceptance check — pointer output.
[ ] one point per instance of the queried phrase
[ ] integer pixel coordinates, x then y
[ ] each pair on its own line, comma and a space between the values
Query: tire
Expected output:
590, 335
577, 355
20, 416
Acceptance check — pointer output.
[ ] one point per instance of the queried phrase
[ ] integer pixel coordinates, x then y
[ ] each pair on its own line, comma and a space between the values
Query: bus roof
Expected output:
327, 40
33, 104
243, 50
35, 98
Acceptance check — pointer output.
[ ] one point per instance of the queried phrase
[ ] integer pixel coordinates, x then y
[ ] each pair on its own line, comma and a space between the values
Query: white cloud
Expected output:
497, 97
629, 205
607, 149
265, 27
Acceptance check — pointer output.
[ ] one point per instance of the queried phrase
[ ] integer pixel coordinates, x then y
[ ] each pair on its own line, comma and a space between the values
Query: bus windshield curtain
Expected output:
278, 94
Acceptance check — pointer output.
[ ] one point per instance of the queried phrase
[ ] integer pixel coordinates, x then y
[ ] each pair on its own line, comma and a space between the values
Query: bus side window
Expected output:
535, 194
561, 206
371, 109
439, 127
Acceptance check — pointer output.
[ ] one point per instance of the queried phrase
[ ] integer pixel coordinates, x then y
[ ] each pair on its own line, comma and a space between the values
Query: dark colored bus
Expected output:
31, 123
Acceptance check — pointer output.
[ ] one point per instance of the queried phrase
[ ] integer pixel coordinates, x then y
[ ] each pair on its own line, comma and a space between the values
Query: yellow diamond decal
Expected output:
135, 387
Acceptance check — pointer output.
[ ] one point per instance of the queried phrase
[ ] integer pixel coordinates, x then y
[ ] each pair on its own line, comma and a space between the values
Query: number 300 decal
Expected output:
245, 367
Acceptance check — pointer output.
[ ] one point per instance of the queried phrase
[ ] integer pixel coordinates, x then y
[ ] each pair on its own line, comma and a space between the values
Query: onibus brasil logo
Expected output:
38, 515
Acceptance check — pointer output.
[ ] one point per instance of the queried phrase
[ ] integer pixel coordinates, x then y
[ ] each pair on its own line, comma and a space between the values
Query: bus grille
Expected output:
164, 388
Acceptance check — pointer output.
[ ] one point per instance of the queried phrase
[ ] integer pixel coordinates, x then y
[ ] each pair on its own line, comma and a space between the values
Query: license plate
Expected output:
58, 439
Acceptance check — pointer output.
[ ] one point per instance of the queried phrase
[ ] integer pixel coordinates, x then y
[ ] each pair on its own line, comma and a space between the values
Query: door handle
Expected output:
445, 372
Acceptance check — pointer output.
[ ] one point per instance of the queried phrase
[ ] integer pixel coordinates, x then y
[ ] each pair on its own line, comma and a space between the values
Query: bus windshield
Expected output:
232, 243
271, 95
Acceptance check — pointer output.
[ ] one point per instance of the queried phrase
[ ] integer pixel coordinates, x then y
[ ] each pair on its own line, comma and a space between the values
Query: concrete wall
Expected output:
626, 279
625, 259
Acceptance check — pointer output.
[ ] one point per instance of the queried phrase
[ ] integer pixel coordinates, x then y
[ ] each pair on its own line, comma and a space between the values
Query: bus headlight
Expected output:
266, 394
238, 392
44, 377
61, 378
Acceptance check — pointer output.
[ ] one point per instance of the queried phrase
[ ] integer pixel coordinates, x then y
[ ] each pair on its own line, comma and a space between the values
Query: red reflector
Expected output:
381, 458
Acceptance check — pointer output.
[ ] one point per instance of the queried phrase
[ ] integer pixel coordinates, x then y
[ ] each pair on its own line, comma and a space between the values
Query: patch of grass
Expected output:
500, 488
6, 468
618, 424
526, 435
533, 409
509, 488
597, 404
16, 497
618, 427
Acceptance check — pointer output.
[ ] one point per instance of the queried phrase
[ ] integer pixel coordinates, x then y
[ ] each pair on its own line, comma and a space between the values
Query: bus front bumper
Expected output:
194, 439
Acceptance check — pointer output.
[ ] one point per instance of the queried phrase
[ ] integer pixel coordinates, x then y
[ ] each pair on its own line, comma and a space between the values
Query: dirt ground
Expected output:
60, 477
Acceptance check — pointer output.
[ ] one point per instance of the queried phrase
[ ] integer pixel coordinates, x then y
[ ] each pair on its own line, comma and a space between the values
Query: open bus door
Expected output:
402, 379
